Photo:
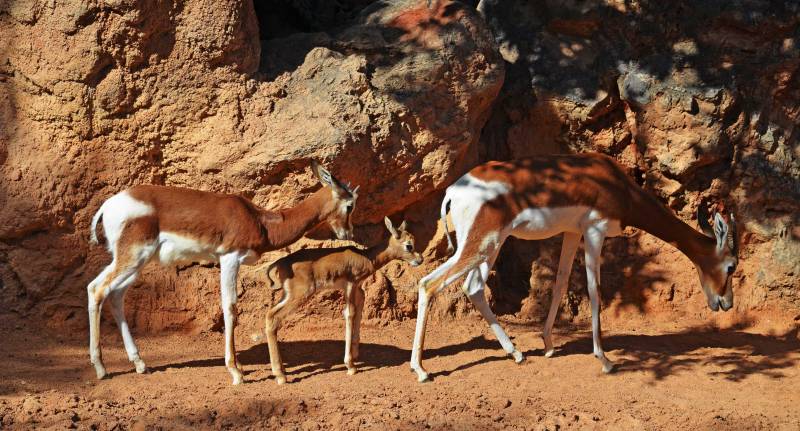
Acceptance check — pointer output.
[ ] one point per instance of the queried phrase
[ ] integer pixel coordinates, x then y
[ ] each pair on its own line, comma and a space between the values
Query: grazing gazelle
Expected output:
310, 270
585, 195
176, 225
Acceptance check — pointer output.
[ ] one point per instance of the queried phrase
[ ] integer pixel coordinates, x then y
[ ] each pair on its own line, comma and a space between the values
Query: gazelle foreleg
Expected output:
474, 288
349, 317
593, 245
358, 296
568, 249
229, 270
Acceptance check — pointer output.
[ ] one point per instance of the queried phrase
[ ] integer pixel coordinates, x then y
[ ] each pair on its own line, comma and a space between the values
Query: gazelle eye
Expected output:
731, 269
409, 247
348, 207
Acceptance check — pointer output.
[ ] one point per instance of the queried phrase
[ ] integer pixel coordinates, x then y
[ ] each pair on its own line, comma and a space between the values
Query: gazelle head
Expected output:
401, 243
339, 208
716, 269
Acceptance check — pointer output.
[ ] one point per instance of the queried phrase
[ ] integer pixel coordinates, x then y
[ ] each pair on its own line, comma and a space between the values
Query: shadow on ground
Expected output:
744, 354
664, 355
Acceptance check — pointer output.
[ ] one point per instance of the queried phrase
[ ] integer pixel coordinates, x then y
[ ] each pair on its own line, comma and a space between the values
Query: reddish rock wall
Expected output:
699, 100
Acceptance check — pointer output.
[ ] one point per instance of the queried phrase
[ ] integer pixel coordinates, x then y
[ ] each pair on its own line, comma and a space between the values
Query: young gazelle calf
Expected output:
175, 225
306, 271
581, 195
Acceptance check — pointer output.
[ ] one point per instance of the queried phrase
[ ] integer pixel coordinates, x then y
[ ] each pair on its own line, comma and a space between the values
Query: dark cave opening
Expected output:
281, 18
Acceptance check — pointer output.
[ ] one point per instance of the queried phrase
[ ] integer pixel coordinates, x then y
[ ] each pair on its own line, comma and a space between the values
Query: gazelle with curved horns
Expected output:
583, 195
183, 225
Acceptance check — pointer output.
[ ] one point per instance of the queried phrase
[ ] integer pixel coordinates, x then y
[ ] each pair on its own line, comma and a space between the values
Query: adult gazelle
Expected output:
583, 195
173, 225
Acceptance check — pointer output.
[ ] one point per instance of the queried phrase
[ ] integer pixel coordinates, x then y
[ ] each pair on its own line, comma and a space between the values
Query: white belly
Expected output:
180, 249
541, 223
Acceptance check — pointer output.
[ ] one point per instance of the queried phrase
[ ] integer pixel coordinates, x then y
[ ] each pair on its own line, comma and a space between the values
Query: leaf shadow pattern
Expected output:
746, 354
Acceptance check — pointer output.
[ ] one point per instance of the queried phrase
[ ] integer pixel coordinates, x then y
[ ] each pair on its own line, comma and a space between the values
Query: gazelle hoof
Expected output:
100, 370
422, 376
141, 368
608, 367
237, 376
518, 357
280, 380
549, 353
351, 371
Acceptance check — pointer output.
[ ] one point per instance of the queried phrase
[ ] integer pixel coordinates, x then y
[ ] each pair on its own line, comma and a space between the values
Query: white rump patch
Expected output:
117, 210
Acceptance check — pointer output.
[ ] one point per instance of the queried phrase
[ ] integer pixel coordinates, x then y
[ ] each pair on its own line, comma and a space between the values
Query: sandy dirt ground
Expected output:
678, 375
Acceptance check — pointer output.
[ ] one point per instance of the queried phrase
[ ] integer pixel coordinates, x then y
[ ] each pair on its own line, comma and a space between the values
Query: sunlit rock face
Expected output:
696, 99
391, 96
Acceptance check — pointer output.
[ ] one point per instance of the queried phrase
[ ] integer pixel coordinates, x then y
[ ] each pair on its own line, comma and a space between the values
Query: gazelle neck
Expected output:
380, 254
297, 220
657, 220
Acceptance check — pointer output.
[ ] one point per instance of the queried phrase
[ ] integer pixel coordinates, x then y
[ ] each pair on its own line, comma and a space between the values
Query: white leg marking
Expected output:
593, 243
118, 311
474, 288
94, 307
358, 293
568, 249
96, 299
229, 270
423, 302
349, 317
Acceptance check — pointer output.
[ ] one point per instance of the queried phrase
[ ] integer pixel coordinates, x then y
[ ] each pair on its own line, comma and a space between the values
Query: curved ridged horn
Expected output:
733, 238
702, 219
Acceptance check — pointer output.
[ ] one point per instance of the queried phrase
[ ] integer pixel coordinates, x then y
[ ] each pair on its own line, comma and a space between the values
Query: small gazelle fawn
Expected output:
585, 195
307, 271
184, 225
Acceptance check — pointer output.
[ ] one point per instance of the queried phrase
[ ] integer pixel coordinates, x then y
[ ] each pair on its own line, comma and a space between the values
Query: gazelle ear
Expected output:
322, 174
402, 227
390, 227
720, 230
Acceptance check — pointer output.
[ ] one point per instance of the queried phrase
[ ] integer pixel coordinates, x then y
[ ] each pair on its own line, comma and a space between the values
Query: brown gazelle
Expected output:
585, 195
180, 225
304, 272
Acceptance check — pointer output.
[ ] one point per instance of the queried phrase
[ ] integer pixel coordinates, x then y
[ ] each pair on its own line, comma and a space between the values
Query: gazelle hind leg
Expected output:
454, 269
96, 293
423, 302
568, 249
273, 322
593, 244
114, 279
117, 298
474, 288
